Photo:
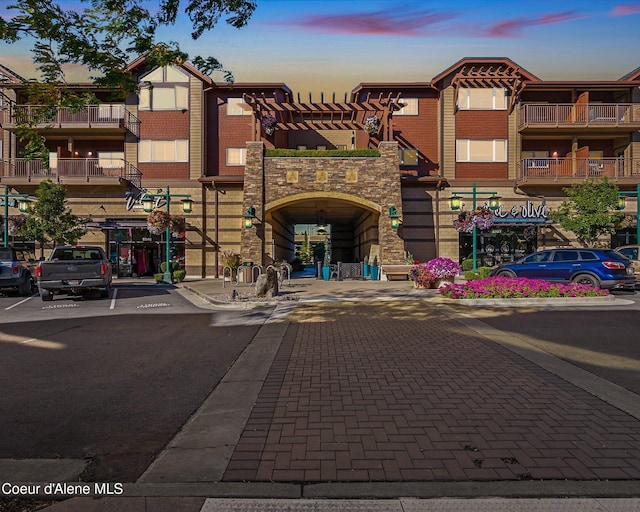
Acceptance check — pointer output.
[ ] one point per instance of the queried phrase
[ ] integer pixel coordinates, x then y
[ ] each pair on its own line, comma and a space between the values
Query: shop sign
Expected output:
523, 213
135, 195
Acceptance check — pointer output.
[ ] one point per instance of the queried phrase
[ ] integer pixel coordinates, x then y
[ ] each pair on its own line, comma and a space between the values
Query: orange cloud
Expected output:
512, 27
410, 24
625, 9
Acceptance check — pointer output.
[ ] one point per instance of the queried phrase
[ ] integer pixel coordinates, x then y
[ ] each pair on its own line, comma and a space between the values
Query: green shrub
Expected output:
484, 272
467, 265
179, 275
470, 275
173, 264
158, 277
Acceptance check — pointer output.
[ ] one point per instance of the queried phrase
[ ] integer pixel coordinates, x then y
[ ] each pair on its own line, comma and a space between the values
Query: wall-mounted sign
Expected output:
134, 197
524, 213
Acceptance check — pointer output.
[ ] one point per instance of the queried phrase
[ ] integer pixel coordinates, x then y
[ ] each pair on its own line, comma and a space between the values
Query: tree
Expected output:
104, 37
50, 220
590, 211
305, 249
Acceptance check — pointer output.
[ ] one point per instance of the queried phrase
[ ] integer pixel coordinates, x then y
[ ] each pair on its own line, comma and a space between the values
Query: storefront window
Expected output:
500, 244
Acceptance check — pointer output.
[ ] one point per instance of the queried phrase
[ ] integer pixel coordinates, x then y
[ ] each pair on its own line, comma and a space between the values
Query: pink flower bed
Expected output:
517, 288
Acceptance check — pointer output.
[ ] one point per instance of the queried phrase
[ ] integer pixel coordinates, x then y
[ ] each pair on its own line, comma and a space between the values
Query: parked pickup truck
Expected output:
14, 271
74, 270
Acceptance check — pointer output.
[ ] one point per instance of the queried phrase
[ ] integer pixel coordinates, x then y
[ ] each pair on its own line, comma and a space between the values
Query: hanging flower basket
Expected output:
372, 125
178, 225
482, 218
15, 223
158, 221
269, 124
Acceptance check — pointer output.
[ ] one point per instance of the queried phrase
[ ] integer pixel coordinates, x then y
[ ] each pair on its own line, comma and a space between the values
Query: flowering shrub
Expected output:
178, 225
422, 276
482, 218
15, 222
158, 221
269, 123
372, 125
443, 268
520, 287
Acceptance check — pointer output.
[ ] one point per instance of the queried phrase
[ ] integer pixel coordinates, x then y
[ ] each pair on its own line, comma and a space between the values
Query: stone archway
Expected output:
369, 184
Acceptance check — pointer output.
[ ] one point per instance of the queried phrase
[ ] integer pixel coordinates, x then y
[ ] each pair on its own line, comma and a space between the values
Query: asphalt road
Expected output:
109, 382
602, 339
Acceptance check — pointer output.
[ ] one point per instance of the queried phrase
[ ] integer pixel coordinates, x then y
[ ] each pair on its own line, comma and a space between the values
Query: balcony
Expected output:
567, 170
592, 116
71, 170
106, 116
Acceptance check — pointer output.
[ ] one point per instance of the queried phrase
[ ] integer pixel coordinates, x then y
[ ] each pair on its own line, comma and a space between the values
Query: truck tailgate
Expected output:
65, 270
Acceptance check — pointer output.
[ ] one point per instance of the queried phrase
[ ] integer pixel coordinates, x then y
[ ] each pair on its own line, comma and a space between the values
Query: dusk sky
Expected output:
332, 45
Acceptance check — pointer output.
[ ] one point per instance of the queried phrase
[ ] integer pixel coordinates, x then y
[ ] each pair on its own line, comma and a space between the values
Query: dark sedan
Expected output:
599, 268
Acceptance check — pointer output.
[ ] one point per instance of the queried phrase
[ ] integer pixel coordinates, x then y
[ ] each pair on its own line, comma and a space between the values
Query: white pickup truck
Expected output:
74, 270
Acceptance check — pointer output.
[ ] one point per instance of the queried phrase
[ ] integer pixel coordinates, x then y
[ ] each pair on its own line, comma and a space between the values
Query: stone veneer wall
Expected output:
373, 183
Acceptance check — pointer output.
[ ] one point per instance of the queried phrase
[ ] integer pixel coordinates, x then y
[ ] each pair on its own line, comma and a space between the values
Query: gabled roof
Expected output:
486, 65
632, 75
8, 76
140, 61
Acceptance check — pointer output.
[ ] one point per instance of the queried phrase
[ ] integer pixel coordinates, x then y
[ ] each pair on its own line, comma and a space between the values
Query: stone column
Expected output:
253, 248
391, 245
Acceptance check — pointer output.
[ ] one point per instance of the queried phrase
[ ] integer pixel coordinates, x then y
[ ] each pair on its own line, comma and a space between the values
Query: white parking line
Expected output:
113, 298
21, 302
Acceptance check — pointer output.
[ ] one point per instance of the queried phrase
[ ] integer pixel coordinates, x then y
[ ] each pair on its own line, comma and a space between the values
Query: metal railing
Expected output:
72, 168
567, 168
105, 115
577, 114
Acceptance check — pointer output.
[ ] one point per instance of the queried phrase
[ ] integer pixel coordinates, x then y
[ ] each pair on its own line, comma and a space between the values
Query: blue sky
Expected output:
332, 45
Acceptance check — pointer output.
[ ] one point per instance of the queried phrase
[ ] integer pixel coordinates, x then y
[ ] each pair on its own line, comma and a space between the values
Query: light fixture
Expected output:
394, 217
249, 216
147, 204
622, 203
186, 205
455, 202
494, 202
23, 205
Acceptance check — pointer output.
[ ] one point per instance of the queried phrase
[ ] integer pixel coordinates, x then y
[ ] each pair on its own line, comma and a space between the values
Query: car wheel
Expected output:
587, 280
26, 288
506, 273
105, 292
46, 295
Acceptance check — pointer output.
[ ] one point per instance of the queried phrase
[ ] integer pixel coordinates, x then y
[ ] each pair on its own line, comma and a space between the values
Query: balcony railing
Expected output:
105, 115
87, 168
569, 169
595, 115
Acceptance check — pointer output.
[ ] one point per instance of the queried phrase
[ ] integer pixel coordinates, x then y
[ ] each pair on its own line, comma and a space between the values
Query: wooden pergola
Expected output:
332, 115
489, 75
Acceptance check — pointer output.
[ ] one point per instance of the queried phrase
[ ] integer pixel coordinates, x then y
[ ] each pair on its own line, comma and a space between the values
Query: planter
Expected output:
365, 270
374, 272
441, 282
326, 273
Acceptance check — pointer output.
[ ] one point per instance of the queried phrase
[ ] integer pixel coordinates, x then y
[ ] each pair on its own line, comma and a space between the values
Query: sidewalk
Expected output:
359, 395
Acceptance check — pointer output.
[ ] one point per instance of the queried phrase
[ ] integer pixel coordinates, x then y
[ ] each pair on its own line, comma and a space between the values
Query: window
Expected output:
110, 159
164, 98
234, 107
165, 74
408, 156
586, 255
163, 151
236, 156
410, 107
566, 256
494, 98
468, 150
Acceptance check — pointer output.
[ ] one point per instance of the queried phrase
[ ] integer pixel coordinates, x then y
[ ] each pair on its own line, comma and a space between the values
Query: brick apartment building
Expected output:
484, 123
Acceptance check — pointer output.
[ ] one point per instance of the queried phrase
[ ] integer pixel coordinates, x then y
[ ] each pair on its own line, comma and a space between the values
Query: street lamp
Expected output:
621, 204
147, 205
456, 204
21, 200
394, 217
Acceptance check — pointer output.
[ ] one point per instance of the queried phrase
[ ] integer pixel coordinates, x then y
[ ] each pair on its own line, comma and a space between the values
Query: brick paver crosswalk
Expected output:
400, 392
